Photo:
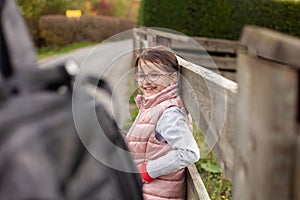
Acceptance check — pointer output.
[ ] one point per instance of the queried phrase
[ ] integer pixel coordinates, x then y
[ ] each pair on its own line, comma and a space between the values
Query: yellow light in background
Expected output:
73, 13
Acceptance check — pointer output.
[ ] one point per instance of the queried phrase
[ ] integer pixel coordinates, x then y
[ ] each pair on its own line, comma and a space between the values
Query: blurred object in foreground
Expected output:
41, 154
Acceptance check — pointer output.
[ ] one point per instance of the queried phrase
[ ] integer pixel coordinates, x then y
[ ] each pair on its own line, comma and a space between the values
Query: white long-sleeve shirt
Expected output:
172, 127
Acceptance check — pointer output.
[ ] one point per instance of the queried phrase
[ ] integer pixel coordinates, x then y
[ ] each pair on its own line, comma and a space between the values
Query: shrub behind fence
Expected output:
58, 30
220, 19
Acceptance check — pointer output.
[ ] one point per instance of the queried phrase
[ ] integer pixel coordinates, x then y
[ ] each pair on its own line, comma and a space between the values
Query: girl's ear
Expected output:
174, 78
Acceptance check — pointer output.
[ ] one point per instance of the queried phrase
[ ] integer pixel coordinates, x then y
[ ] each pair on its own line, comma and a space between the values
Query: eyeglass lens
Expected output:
152, 76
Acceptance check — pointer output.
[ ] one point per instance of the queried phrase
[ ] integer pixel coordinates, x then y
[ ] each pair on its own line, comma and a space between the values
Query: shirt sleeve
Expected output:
173, 127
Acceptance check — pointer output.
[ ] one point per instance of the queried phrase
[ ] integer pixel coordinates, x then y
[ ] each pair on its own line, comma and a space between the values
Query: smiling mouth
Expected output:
149, 88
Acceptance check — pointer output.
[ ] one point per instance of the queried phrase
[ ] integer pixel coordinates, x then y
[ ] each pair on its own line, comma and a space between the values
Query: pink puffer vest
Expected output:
145, 147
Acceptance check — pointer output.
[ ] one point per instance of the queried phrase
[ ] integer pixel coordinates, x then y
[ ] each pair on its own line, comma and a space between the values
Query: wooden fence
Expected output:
217, 55
250, 124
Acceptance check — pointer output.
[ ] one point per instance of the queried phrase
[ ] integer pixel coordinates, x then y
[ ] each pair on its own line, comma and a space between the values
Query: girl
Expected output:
160, 138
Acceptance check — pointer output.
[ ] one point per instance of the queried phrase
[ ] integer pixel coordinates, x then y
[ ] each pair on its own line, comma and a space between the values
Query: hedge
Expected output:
220, 18
58, 30
283, 16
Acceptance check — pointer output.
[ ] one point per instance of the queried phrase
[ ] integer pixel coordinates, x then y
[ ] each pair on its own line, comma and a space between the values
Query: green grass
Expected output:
49, 51
217, 184
133, 109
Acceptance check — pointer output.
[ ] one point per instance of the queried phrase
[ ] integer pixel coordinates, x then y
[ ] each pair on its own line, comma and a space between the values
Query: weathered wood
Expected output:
267, 129
221, 45
224, 66
195, 187
272, 45
210, 98
210, 44
164, 41
195, 49
210, 62
162, 32
296, 191
229, 75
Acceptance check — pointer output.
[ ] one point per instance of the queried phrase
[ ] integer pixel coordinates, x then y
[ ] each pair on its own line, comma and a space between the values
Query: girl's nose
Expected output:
146, 80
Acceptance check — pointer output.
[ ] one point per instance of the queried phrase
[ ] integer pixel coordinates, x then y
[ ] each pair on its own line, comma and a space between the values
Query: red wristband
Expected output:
144, 174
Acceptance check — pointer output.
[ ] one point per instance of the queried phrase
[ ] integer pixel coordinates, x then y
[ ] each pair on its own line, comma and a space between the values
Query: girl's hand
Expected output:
146, 178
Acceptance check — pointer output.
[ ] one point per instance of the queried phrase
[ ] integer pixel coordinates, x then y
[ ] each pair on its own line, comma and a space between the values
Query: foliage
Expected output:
283, 16
211, 167
132, 92
164, 13
116, 8
120, 8
220, 19
217, 184
55, 7
58, 30
35, 8
31, 9
103, 8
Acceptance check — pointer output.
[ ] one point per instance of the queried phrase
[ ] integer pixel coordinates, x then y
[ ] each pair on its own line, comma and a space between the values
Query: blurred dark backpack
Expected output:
41, 154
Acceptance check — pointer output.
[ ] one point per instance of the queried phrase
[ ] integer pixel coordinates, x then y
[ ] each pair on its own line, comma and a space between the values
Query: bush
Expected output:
103, 8
283, 16
220, 19
116, 8
169, 14
58, 30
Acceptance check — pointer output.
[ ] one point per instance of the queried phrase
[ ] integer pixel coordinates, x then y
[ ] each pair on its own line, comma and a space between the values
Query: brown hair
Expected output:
161, 56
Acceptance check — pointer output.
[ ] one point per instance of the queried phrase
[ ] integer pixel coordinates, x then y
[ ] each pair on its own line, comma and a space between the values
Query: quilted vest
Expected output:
145, 147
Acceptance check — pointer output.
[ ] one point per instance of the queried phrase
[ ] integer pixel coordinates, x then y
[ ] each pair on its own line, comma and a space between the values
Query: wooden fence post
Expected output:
267, 164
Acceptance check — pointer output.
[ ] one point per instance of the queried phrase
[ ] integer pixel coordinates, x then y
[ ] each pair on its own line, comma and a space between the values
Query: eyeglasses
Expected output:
151, 76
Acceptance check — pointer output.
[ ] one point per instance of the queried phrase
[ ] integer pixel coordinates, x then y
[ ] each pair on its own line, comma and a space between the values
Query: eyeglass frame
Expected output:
147, 76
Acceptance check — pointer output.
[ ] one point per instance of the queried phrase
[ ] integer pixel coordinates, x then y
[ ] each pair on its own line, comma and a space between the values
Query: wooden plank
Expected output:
227, 63
136, 41
229, 75
162, 32
211, 62
195, 187
272, 45
267, 128
202, 59
221, 45
164, 41
296, 191
225, 67
139, 41
209, 44
210, 98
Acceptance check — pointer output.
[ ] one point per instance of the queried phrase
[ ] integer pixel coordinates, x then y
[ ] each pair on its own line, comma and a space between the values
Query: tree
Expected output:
31, 9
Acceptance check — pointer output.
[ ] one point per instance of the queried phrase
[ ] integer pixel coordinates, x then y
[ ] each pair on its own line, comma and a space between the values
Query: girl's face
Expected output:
152, 79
